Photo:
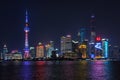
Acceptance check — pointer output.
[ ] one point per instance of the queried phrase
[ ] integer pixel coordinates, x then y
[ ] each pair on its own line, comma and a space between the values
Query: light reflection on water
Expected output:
60, 70
99, 70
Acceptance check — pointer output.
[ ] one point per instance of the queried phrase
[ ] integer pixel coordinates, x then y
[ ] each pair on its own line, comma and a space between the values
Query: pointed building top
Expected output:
26, 29
26, 20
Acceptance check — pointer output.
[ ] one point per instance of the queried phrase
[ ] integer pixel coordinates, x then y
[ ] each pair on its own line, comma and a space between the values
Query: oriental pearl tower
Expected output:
26, 29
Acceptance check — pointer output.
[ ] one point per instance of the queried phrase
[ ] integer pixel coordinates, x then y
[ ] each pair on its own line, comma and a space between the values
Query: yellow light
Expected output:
82, 46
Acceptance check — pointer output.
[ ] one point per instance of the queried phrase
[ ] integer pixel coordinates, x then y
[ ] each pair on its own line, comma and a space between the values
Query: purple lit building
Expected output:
26, 29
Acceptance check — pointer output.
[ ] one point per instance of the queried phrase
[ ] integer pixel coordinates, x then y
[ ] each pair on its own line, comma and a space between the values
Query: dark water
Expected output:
60, 70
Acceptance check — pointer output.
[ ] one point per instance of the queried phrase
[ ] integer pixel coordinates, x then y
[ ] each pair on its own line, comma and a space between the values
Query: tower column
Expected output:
26, 29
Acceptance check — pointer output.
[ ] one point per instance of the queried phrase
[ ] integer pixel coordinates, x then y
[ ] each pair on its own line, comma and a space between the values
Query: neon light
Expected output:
98, 46
106, 49
98, 38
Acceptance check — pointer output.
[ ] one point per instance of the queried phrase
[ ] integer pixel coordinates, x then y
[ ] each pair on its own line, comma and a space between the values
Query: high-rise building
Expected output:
92, 29
26, 29
66, 44
49, 48
40, 50
5, 51
63, 46
92, 37
98, 48
82, 34
32, 52
105, 47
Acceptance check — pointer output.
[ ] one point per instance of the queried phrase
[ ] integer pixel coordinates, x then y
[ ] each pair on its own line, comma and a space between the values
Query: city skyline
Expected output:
51, 20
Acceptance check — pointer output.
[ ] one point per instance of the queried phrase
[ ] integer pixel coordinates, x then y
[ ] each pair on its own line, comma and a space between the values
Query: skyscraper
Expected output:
82, 34
92, 37
49, 48
5, 51
92, 28
40, 50
66, 44
63, 47
26, 29
32, 52
105, 50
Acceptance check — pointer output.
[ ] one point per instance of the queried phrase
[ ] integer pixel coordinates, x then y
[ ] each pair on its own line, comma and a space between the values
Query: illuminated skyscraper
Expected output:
66, 44
92, 27
26, 29
32, 52
5, 51
40, 50
63, 41
92, 37
82, 34
98, 48
49, 48
105, 47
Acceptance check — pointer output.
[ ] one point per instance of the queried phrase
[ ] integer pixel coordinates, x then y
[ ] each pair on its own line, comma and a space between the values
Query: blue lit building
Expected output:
105, 47
101, 48
82, 34
98, 48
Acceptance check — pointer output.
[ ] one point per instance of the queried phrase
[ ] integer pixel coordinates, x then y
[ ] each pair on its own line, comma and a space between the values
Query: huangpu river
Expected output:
60, 70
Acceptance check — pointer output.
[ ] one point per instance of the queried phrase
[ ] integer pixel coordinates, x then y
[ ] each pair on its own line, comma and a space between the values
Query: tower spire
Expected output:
26, 29
92, 26
26, 17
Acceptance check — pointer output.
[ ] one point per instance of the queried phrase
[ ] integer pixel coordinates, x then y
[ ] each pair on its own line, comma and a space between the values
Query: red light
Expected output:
98, 38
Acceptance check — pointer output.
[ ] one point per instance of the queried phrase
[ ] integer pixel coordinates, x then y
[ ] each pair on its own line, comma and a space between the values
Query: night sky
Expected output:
51, 19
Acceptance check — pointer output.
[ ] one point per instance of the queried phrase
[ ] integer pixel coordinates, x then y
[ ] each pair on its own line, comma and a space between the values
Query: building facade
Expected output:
40, 50
66, 44
49, 48
32, 52
4, 52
